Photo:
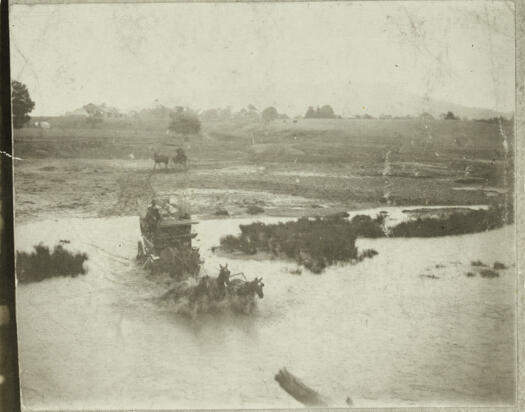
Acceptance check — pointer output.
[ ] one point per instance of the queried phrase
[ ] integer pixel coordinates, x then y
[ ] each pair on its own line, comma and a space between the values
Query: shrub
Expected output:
470, 274
314, 243
42, 263
254, 210
366, 226
367, 253
499, 265
488, 273
477, 263
472, 221
184, 122
221, 212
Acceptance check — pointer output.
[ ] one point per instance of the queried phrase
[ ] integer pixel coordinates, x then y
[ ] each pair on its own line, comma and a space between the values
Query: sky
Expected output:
355, 56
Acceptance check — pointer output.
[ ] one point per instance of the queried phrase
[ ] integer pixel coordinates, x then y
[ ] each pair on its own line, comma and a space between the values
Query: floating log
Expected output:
300, 391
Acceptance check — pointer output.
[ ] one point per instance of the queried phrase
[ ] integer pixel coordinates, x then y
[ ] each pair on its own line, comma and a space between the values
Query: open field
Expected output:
287, 168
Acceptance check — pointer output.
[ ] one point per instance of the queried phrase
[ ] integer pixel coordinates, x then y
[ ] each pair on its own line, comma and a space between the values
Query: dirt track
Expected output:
135, 192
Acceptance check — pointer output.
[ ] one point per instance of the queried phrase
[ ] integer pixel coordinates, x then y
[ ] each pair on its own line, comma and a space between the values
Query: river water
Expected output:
380, 332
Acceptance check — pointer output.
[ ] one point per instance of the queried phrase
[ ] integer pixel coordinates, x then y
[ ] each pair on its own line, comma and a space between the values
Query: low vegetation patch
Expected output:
471, 221
470, 274
323, 241
367, 253
42, 263
499, 266
314, 243
364, 225
488, 273
254, 210
477, 263
221, 212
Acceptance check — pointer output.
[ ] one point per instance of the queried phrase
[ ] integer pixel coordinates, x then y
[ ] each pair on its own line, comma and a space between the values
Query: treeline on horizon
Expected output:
94, 114
252, 113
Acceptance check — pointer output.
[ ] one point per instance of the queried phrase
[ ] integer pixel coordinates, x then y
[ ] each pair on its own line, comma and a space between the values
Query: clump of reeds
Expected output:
42, 263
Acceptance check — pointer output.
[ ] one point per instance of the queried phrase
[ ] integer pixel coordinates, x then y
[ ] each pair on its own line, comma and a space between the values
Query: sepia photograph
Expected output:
247, 205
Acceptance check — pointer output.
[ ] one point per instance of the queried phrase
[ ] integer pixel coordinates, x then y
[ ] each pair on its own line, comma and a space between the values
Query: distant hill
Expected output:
383, 100
436, 107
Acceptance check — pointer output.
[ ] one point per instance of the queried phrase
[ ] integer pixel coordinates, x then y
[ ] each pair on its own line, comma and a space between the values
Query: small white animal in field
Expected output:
131, 156
45, 125
261, 169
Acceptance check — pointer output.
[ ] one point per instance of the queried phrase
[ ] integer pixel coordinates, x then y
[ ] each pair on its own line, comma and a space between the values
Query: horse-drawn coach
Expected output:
166, 241
166, 247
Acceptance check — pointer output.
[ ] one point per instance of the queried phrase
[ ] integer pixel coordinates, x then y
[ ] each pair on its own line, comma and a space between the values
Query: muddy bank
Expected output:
74, 187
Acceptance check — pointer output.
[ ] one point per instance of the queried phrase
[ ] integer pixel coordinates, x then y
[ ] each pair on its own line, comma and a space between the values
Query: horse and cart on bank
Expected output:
166, 247
180, 158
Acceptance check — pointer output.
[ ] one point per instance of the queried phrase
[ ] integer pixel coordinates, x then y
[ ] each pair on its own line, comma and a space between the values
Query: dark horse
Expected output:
159, 159
247, 289
180, 158
243, 294
212, 288
212, 292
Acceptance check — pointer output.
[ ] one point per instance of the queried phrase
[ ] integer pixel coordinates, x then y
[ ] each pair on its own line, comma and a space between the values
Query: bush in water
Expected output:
42, 263
472, 221
499, 265
365, 226
477, 263
488, 273
367, 253
314, 243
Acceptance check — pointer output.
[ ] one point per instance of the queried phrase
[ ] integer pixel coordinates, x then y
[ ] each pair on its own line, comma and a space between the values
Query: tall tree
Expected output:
184, 122
22, 104
310, 113
450, 116
269, 114
326, 112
